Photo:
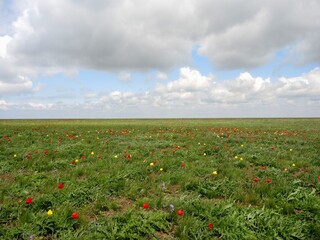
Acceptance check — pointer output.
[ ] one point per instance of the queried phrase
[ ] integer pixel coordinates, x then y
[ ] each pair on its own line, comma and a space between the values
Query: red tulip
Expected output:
29, 200
264, 167
268, 180
145, 205
180, 212
256, 179
182, 164
210, 226
319, 177
60, 186
75, 215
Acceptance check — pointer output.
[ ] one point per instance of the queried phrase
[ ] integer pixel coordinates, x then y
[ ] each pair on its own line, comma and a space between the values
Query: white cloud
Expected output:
307, 85
41, 106
195, 95
18, 84
124, 76
66, 36
190, 81
4, 105
161, 76
144, 35
254, 31
3, 45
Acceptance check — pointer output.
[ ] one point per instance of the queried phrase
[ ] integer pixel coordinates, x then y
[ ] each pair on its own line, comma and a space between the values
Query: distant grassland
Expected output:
160, 179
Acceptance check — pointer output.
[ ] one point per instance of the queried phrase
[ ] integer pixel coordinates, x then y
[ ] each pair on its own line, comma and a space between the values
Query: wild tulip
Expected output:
75, 215
268, 180
264, 167
319, 177
50, 212
256, 179
180, 212
61, 185
182, 164
29, 200
210, 226
145, 205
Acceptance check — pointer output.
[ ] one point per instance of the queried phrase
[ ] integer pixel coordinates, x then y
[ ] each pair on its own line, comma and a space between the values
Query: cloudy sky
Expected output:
159, 58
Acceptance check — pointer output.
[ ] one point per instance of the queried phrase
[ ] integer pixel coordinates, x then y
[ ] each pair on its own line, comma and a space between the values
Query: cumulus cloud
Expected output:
307, 85
124, 76
190, 80
4, 105
21, 84
253, 38
66, 36
41, 106
247, 95
161, 76
139, 35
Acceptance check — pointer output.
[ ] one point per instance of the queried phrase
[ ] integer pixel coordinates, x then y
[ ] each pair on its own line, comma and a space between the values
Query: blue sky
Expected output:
137, 59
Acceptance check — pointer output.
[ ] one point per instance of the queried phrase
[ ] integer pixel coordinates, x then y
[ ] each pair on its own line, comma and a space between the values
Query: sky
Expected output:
159, 58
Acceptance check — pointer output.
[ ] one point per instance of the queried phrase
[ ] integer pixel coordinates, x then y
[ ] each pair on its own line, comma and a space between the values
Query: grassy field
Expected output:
160, 179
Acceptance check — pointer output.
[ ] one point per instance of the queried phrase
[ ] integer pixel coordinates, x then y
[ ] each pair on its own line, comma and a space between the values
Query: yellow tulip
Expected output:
50, 212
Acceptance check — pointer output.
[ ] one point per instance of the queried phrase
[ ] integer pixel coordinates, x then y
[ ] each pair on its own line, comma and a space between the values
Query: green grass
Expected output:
121, 164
